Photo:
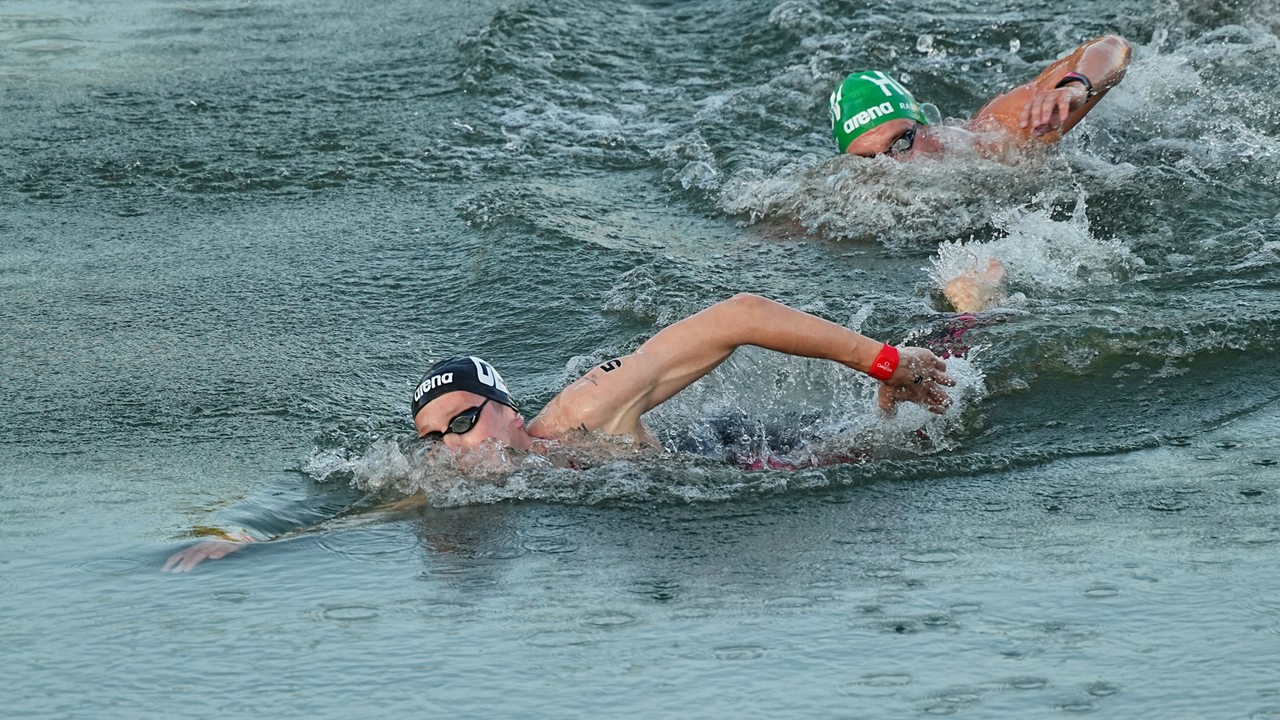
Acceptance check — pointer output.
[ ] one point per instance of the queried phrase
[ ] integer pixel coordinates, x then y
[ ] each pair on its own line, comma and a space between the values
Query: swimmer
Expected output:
463, 403
872, 114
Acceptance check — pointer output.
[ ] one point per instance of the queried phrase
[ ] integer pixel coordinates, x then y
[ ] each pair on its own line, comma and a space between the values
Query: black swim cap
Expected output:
461, 372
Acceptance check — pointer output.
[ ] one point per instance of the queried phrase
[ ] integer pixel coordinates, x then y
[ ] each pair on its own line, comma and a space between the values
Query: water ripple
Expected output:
350, 613
931, 557
109, 566
735, 653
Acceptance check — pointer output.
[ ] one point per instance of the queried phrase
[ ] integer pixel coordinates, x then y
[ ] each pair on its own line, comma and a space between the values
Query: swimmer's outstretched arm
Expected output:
612, 397
225, 542
186, 559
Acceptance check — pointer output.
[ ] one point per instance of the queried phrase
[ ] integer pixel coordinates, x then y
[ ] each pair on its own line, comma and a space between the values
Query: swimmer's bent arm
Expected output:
1103, 61
613, 399
1042, 109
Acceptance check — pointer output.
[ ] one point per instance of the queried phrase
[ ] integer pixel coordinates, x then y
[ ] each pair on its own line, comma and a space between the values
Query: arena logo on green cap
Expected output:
867, 99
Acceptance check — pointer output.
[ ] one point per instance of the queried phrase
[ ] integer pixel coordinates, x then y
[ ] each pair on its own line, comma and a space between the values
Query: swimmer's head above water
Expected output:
874, 114
463, 401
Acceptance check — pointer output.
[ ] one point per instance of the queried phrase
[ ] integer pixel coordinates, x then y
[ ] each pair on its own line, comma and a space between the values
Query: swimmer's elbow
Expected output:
747, 307
1120, 48
741, 320
746, 299
1108, 56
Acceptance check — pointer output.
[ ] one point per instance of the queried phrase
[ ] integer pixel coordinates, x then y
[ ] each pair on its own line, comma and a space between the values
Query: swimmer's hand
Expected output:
972, 291
919, 378
1047, 111
187, 559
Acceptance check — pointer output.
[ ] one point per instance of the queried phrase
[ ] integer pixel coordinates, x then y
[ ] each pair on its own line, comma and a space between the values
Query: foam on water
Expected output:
1043, 257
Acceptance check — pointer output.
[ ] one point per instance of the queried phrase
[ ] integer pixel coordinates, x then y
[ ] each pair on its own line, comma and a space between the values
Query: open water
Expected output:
234, 233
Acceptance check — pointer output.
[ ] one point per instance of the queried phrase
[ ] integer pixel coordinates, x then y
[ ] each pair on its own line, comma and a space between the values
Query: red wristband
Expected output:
886, 362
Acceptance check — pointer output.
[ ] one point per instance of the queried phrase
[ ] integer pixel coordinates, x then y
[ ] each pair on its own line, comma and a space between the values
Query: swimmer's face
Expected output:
464, 420
898, 138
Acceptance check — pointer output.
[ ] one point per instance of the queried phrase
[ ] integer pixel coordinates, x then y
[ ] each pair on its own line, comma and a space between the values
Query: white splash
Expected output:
1042, 256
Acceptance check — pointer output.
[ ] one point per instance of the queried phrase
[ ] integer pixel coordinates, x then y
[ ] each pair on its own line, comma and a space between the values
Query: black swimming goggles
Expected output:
904, 141
461, 423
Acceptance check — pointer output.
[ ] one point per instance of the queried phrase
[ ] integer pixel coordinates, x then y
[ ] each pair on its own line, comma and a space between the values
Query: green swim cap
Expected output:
868, 99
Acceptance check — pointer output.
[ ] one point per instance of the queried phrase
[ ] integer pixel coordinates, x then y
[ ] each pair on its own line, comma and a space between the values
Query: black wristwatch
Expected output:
1077, 77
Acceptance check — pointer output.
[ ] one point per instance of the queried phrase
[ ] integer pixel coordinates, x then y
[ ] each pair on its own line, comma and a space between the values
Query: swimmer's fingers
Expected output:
937, 400
1040, 112
187, 559
939, 374
917, 366
887, 398
1047, 111
931, 397
1062, 104
927, 394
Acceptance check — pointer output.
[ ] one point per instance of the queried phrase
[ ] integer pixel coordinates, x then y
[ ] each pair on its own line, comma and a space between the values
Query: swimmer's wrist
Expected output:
1075, 77
231, 534
886, 362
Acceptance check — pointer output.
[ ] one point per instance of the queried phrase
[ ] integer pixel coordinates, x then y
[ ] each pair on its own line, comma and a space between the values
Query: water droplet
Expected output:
1015, 45
924, 43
